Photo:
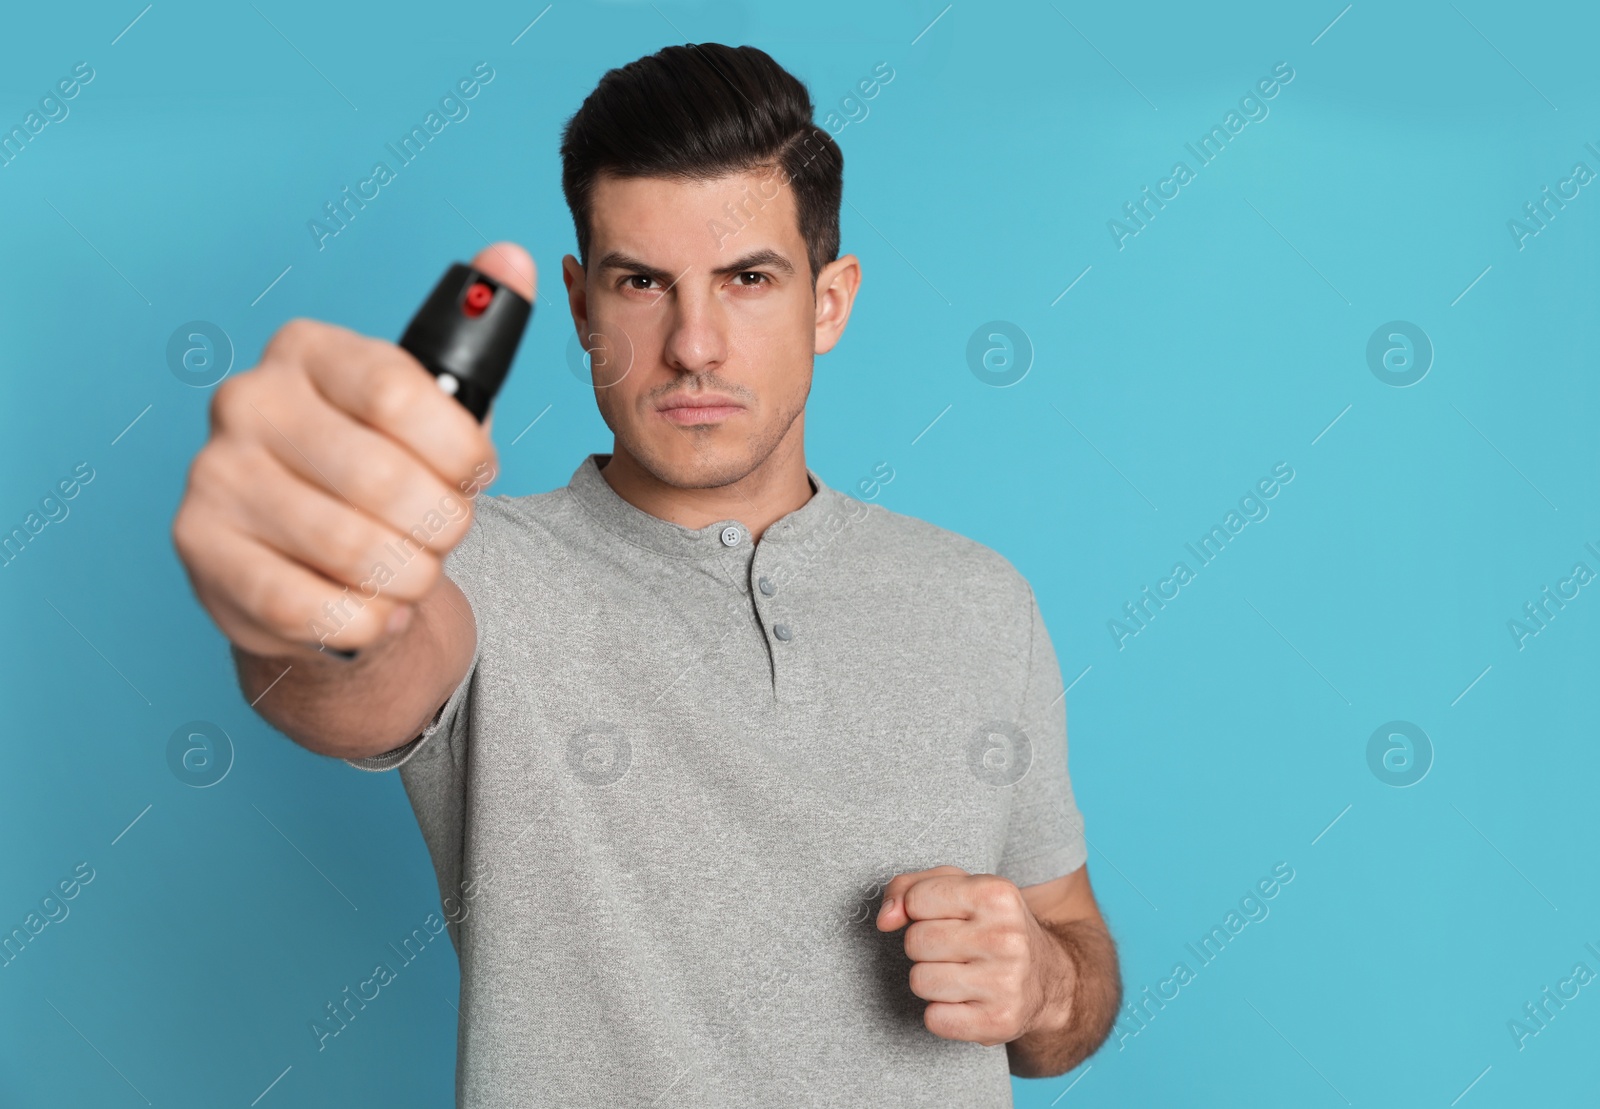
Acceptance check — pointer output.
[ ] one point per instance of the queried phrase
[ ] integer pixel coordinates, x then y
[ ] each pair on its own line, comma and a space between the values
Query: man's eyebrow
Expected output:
756, 259
617, 260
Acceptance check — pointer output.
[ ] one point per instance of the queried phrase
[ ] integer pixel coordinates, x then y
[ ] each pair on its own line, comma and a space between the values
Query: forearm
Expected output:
1083, 991
377, 701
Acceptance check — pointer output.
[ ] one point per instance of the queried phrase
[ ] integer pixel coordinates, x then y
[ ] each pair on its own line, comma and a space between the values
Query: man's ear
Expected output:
836, 294
577, 292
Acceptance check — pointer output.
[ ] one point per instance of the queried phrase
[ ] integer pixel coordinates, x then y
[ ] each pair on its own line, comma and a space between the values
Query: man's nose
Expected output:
697, 337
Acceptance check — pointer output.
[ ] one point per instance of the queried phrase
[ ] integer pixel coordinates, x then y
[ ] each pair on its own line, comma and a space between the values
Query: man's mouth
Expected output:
687, 409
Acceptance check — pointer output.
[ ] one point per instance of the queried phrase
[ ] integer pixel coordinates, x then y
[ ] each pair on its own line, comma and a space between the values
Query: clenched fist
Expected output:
986, 966
336, 479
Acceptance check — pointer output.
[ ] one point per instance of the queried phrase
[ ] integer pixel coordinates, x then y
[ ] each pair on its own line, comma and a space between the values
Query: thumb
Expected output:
892, 914
511, 265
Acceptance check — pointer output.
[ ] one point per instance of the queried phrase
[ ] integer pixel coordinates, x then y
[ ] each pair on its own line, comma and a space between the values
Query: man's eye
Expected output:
761, 278
638, 277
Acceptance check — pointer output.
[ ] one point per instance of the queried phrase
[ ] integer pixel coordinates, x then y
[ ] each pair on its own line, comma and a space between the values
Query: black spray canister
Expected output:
466, 334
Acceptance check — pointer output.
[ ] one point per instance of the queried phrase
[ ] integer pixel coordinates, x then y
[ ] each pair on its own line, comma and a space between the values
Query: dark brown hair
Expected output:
701, 111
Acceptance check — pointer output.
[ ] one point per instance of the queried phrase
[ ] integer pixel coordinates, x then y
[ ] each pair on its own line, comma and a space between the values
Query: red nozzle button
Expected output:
478, 298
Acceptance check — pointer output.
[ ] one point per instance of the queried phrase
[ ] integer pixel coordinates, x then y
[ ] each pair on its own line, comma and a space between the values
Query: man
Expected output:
674, 732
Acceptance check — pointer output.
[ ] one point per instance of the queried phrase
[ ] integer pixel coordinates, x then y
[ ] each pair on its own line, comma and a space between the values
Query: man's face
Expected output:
701, 290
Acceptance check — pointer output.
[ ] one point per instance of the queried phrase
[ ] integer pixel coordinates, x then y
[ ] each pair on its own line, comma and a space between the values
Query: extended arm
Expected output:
376, 702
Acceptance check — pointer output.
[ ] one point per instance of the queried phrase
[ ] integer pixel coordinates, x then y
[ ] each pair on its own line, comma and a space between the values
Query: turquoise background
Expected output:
1229, 735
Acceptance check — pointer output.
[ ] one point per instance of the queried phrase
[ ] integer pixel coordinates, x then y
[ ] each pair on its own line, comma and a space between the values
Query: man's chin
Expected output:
698, 461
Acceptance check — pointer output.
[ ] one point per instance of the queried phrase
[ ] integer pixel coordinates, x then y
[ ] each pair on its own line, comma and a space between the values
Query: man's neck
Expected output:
770, 492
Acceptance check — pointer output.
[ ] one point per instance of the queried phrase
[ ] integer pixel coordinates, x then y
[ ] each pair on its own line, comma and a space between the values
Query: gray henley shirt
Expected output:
664, 801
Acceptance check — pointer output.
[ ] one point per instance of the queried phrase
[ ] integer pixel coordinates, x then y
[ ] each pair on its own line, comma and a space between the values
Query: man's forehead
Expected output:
718, 217
769, 181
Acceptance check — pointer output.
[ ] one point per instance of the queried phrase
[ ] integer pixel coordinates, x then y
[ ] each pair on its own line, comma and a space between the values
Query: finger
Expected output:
951, 982
321, 531
894, 913
368, 471
281, 607
511, 265
941, 897
245, 632
940, 941
961, 1020
384, 388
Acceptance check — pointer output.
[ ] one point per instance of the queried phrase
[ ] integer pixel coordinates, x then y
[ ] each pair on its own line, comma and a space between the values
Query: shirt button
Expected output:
782, 632
730, 536
766, 587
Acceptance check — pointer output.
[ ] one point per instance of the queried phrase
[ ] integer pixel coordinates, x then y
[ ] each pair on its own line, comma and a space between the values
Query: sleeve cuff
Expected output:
1047, 865
442, 720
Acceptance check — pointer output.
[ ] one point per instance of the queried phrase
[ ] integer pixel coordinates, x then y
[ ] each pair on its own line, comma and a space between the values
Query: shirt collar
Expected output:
591, 490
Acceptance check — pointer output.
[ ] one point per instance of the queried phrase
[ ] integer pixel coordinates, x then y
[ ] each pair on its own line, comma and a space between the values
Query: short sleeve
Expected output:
450, 721
449, 725
1044, 832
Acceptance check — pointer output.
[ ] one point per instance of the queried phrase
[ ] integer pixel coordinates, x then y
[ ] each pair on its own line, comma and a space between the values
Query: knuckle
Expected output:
227, 400
355, 632
197, 520
388, 400
453, 537
1022, 986
1013, 986
1012, 944
277, 606
425, 570
421, 573
434, 529
381, 479
457, 515
347, 544
209, 470
486, 472
184, 532
289, 338
995, 893
485, 467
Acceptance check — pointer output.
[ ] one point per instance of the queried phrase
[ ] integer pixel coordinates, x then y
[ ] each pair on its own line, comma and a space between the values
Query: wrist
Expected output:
1059, 980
